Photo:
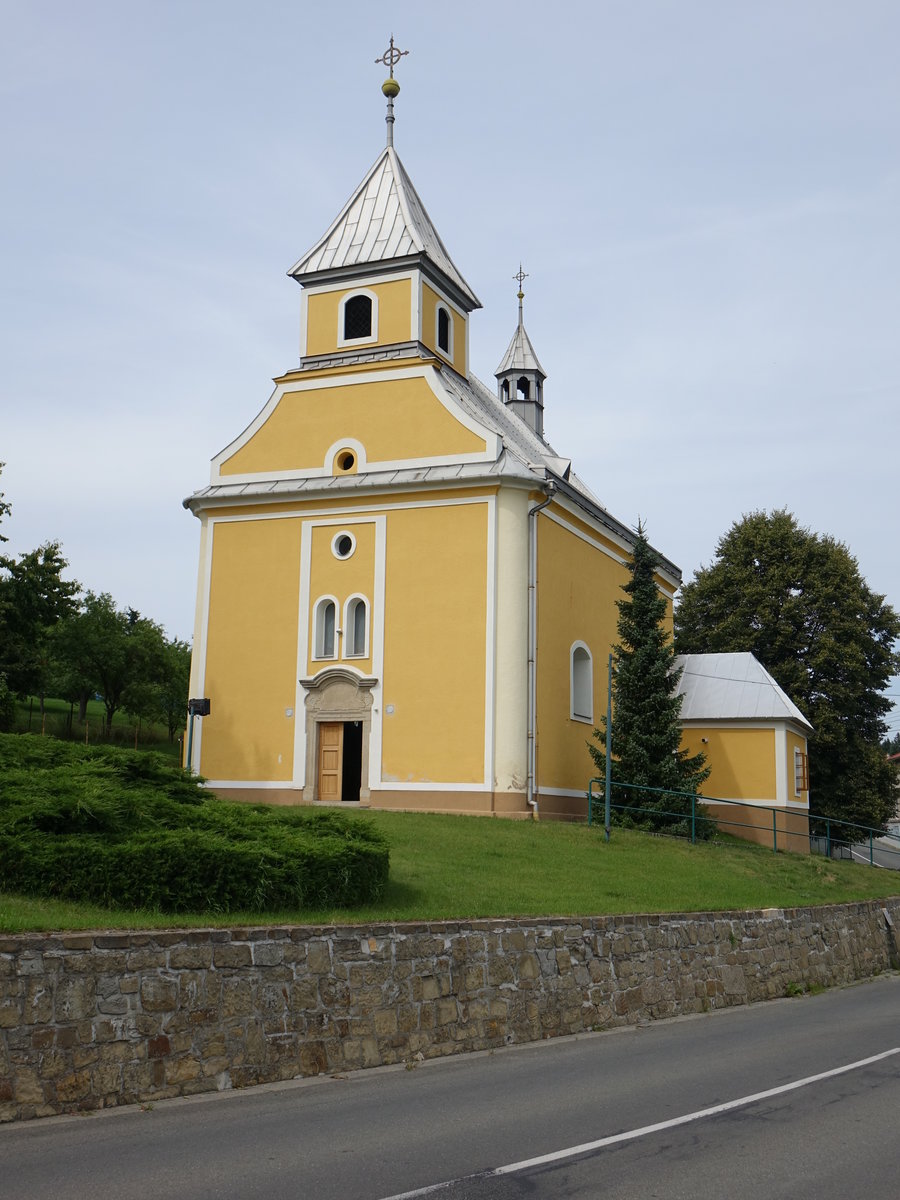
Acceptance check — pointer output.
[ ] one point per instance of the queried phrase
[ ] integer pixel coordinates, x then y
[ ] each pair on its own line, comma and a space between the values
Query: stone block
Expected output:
190, 958
76, 998
180, 1070
237, 998
234, 956
268, 954
318, 958
74, 1086
386, 1022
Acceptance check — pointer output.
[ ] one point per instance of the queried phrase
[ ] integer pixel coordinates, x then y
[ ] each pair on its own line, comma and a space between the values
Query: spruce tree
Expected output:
646, 730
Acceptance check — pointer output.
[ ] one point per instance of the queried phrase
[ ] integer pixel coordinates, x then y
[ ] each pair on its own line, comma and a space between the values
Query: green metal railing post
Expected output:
607, 802
774, 831
827, 838
693, 819
871, 850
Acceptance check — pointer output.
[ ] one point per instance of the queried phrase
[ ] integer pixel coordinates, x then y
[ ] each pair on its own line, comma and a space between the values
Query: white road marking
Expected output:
631, 1134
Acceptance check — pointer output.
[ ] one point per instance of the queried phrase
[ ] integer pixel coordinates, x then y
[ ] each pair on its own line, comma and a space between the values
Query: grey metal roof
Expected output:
732, 687
520, 355
383, 220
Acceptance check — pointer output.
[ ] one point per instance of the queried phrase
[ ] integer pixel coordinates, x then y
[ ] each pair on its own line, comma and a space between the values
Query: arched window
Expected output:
581, 681
356, 628
324, 628
523, 392
444, 330
504, 391
357, 318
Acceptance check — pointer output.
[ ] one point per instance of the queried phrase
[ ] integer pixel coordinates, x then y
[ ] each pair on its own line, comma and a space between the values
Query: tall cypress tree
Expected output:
646, 730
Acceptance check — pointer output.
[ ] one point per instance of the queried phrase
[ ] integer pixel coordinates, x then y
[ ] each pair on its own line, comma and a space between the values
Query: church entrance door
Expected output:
340, 760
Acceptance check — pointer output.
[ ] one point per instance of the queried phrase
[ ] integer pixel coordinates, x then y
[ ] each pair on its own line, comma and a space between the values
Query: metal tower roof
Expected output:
384, 219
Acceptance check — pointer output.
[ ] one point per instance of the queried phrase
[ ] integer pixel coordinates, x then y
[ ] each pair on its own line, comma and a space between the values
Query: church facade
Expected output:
406, 597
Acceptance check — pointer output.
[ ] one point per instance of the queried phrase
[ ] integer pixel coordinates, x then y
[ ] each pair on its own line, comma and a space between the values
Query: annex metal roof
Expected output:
383, 220
733, 687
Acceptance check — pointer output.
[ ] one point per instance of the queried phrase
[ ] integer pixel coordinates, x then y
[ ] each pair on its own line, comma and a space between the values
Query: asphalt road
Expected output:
383, 1133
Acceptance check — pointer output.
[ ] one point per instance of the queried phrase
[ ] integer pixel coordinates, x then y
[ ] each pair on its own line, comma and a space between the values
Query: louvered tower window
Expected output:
443, 330
357, 318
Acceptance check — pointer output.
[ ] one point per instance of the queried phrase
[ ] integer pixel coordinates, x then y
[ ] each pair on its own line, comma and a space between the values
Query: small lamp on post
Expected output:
196, 708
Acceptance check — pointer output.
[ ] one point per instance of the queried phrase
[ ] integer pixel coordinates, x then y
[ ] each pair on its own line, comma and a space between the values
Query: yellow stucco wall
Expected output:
430, 301
394, 420
578, 587
742, 761
434, 645
394, 321
251, 654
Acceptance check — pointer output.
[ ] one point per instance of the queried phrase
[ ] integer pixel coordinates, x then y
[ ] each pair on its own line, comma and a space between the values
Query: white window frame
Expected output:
587, 718
801, 770
363, 341
349, 611
318, 653
448, 353
343, 533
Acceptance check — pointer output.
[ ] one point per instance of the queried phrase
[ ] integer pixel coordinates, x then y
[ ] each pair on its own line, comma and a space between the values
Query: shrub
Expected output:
132, 830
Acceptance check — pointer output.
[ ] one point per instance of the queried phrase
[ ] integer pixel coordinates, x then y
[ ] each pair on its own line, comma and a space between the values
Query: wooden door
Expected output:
331, 755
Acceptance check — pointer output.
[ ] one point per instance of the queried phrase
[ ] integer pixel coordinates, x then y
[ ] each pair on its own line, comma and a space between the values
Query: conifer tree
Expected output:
646, 730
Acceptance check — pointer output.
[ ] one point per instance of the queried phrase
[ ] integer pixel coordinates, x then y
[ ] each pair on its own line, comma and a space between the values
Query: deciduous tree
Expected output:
797, 601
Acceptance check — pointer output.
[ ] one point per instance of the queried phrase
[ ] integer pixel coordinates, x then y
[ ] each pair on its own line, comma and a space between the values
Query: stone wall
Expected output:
89, 1020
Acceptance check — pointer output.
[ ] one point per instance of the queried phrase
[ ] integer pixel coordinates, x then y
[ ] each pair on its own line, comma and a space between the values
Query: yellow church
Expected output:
406, 597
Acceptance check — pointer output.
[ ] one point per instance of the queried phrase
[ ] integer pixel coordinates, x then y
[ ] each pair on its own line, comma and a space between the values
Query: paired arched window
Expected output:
327, 635
581, 683
356, 628
444, 330
325, 628
358, 318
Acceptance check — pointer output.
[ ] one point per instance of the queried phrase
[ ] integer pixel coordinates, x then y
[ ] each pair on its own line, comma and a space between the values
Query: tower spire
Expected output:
391, 87
520, 376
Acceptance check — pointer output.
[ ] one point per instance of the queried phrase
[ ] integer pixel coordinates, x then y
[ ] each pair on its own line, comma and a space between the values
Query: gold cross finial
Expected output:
391, 87
391, 57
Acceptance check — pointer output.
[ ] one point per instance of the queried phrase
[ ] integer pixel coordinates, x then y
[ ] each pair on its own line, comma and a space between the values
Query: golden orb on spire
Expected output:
391, 88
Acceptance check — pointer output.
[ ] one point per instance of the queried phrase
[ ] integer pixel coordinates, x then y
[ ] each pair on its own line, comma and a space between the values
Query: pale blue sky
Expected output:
705, 195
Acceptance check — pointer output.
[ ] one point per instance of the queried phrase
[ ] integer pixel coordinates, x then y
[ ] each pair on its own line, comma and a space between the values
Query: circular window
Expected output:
346, 460
343, 544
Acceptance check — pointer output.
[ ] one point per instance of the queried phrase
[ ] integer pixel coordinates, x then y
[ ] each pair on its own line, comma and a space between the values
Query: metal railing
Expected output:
826, 835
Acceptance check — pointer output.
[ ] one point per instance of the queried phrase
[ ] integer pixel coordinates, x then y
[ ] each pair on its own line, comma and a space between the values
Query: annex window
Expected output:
358, 318
801, 772
324, 628
356, 628
444, 330
581, 683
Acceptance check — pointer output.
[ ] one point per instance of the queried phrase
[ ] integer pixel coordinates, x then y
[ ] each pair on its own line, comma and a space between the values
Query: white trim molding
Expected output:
585, 718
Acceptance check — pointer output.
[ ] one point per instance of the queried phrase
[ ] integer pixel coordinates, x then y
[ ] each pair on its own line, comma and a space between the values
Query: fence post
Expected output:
871, 851
774, 831
693, 819
827, 838
608, 800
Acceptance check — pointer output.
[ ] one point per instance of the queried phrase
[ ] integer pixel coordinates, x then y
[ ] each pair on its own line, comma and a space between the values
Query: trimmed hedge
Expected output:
131, 830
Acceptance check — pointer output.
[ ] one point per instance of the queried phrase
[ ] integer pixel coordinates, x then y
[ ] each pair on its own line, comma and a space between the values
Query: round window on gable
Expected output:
346, 460
343, 544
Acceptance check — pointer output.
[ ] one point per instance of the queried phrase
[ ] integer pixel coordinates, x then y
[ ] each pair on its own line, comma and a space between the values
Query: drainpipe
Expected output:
550, 492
